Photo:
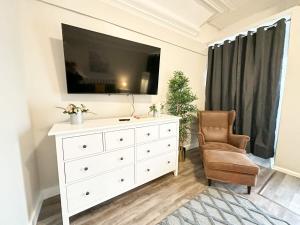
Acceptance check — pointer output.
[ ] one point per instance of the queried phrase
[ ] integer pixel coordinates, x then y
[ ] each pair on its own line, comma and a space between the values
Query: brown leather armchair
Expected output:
215, 132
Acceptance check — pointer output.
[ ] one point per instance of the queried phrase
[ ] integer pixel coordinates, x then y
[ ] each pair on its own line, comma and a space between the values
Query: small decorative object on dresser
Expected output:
154, 110
179, 103
105, 158
75, 112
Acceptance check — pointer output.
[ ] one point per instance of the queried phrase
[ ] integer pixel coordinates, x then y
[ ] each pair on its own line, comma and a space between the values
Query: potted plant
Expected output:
179, 103
75, 112
154, 110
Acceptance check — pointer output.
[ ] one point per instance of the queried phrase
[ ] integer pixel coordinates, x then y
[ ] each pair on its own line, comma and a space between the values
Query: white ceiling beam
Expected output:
218, 6
228, 4
212, 4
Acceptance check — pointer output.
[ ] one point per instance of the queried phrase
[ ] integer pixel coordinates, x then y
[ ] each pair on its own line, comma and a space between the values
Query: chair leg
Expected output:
249, 190
209, 182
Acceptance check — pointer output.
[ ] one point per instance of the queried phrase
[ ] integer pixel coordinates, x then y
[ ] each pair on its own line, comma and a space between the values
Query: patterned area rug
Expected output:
217, 206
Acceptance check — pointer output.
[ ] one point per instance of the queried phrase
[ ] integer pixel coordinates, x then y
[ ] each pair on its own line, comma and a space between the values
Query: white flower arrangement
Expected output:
73, 109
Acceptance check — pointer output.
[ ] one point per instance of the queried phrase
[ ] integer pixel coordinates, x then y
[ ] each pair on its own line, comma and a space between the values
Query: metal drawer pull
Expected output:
169, 130
169, 145
148, 134
148, 151
86, 168
87, 193
122, 180
84, 146
121, 158
169, 162
121, 139
148, 170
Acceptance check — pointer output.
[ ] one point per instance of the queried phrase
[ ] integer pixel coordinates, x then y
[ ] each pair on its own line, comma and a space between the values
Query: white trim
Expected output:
44, 194
286, 171
50, 192
36, 211
158, 13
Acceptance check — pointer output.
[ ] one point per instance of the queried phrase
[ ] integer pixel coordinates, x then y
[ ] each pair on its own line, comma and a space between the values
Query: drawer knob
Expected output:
169, 162
86, 168
148, 151
84, 146
121, 158
148, 134
121, 139
122, 180
87, 193
169, 130
148, 170
169, 145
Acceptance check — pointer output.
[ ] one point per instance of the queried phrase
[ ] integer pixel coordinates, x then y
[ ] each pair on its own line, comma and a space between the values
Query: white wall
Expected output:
19, 179
288, 154
43, 59
287, 151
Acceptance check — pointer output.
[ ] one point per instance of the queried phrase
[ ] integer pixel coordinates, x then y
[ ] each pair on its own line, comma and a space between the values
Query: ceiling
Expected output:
190, 16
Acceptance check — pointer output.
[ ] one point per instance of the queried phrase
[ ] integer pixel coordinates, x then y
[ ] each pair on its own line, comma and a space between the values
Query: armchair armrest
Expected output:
201, 139
239, 141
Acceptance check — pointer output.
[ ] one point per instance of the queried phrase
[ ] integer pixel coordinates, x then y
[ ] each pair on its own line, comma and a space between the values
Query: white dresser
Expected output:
101, 159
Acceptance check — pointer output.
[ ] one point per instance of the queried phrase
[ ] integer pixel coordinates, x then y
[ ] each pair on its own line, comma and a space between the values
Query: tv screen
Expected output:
99, 63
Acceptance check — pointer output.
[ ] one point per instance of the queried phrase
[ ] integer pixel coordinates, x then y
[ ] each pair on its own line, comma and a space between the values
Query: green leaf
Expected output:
180, 103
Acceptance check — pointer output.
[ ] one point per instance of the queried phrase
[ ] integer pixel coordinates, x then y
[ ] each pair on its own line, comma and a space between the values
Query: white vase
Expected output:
76, 118
156, 114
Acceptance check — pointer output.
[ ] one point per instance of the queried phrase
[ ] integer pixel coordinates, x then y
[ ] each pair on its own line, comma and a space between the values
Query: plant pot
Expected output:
76, 118
182, 153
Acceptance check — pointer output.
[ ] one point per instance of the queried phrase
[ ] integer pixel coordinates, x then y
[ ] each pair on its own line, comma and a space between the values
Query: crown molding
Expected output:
158, 14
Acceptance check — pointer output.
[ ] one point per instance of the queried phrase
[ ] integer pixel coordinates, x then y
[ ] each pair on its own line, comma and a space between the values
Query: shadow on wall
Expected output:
47, 161
58, 59
30, 171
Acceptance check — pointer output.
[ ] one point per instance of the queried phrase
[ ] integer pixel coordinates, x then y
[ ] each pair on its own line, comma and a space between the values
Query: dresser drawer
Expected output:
119, 139
84, 145
155, 167
100, 188
149, 150
146, 134
167, 130
82, 168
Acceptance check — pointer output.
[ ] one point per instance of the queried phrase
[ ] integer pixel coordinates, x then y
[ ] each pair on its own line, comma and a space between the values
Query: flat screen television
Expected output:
100, 63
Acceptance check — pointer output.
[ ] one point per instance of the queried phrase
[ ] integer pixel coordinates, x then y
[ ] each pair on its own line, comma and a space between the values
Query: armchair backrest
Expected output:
216, 125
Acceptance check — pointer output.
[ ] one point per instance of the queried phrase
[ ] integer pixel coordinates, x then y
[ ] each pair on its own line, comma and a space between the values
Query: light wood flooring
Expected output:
152, 202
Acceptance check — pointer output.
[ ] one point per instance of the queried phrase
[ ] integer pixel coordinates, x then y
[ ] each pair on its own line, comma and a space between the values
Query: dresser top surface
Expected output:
65, 128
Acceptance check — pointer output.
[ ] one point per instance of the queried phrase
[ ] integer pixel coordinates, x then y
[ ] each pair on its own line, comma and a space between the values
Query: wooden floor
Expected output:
152, 202
284, 190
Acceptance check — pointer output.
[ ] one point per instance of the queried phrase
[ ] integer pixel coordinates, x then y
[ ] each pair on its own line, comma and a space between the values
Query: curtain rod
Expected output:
123, 27
275, 24
252, 31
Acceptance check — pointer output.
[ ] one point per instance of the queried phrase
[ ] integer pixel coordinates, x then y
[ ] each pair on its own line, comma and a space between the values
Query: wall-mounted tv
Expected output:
100, 63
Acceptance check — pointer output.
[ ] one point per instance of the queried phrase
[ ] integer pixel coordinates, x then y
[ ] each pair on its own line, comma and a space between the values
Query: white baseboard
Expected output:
36, 211
44, 194
286, 171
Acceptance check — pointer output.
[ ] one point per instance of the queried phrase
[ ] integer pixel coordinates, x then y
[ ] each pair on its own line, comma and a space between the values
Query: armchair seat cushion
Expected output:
222, 147
229, 162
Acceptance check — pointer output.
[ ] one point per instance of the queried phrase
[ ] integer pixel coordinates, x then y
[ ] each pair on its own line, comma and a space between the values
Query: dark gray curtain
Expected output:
245, 75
